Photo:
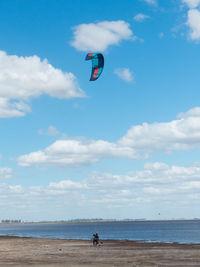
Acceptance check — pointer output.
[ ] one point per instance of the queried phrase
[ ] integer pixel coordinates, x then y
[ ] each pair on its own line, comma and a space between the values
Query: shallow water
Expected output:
185, 231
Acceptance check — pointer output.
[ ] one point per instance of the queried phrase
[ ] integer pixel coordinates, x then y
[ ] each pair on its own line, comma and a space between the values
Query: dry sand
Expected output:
15, 251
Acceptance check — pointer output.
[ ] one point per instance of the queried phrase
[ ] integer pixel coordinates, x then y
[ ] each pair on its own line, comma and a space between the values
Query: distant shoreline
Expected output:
13, 237
97, 221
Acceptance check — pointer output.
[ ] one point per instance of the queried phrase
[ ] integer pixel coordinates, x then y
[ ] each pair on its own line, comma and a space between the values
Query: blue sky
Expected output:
124, 146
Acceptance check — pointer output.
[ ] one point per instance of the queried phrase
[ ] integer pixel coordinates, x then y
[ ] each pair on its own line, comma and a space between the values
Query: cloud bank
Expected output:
139, 141
156, 183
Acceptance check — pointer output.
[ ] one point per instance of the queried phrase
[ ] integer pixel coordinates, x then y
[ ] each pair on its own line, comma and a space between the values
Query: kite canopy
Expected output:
97, 65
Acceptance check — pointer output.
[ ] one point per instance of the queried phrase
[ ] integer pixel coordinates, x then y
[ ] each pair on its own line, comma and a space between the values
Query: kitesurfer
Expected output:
95, 239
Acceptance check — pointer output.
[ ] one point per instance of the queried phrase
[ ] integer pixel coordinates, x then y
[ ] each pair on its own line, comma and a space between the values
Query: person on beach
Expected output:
95, 239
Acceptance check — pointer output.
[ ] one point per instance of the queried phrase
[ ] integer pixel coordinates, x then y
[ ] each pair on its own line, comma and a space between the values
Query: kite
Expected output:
97, 65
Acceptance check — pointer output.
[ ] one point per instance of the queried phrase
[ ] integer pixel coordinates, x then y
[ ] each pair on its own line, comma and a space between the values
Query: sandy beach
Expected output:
16, 251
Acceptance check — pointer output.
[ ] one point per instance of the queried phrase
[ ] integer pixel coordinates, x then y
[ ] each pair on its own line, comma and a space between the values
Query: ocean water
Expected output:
185, 231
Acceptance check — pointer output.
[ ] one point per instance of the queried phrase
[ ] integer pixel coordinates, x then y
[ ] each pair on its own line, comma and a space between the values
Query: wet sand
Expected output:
16, 251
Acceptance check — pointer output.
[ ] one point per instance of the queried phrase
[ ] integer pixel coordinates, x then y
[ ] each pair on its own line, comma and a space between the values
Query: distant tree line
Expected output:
85, 220
11, 221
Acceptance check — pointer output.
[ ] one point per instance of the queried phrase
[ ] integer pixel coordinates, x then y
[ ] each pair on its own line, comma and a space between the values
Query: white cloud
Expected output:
193, 19
124, 74
51, 131
22, 78
66, 185
99, 36
12, 109
193, 22
151, 2
194, 112
140, 141
6, 173
191, 3
181, 134
161, 35
72, 152
191, 185
141, 17
16, 189
156, 183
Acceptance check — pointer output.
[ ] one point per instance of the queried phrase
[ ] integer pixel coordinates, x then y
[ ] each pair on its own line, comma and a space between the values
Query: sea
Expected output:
174, 231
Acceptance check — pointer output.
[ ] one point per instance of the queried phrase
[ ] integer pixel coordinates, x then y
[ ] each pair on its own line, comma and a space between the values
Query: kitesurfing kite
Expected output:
97, 65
